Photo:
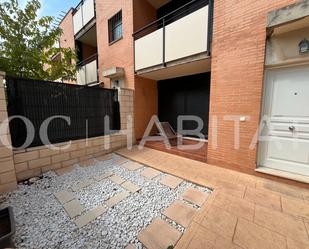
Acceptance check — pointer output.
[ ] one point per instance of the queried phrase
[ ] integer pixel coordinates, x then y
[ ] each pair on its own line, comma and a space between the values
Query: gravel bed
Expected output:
41, 221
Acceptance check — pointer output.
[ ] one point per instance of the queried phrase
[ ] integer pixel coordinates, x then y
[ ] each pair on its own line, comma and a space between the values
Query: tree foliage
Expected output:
27, 44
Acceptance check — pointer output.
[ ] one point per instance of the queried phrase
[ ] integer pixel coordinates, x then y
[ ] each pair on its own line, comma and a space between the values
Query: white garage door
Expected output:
286, 106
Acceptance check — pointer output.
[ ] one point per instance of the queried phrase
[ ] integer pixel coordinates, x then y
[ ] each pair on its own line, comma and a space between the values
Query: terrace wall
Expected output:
19, 165
7, 171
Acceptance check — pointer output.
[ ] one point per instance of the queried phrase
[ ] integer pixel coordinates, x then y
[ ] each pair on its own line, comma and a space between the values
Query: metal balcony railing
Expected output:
183, 32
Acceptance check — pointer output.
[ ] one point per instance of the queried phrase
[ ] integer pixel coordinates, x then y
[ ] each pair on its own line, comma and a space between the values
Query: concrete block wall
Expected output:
7, 170
24, 164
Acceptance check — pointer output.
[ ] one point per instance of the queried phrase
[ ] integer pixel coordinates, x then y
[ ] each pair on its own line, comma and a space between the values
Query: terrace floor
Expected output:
199, 154
243, 211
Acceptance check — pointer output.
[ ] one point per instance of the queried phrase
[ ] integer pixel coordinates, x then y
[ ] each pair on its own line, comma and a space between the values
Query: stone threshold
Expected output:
283, 174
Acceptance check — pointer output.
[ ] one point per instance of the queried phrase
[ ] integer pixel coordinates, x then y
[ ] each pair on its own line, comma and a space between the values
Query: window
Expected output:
115, 27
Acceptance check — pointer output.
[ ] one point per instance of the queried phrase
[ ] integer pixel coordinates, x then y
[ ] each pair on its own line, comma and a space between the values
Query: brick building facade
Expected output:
234, 55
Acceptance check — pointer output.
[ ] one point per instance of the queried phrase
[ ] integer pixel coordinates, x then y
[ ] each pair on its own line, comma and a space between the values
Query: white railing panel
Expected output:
149, 50
187, 36
91, 72
81, 76
77, 21
88, 11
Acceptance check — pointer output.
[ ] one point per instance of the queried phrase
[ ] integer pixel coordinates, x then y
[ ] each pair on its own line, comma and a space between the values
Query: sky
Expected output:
51, 7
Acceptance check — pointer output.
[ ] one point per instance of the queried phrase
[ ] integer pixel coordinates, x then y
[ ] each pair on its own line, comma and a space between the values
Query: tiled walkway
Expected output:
243, 212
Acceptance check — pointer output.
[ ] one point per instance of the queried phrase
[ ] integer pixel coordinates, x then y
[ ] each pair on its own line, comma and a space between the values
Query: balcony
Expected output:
176, 39
83, 16
87, 71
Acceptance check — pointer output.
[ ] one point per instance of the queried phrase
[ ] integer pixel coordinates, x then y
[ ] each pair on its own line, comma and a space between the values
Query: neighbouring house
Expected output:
229, 62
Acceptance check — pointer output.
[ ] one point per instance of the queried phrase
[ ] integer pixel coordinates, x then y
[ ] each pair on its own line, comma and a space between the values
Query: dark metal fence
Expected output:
39, 100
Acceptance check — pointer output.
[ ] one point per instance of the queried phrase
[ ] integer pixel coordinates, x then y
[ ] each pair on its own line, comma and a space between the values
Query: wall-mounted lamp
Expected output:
303, 46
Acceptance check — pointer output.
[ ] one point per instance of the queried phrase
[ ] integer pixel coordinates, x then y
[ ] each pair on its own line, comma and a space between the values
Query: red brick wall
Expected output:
67, 37
119, 54
88, 51
146, 96
145, 104
237, 76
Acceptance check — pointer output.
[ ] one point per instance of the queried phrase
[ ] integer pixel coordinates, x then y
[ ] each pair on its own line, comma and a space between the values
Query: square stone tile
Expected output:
159, 235
292, 244
295, 207
281, 223
103, 176
234, 205
117, 179
64, 196
121, 160
204, 239
263, 198
89, 216
130, 186
171, 181
132, 166
195, 196
181, 213
82, 185
150, 173
280, 188
117, 198
73, 208
249, 235
219, 221
105, 157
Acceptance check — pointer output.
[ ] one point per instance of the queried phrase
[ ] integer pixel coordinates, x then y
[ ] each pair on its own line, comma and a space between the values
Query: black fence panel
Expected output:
39, 100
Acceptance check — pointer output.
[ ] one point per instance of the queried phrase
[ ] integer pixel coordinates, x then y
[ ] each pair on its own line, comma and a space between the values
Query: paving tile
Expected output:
117, 179
82, 185
234, 205
249, 235
195, 196
171, 181
64, 196
159, 235
121, 160
130, 246
132, 166
231, 188
105, 157
150, 173
181, 213
220, 222
117, 198
247, 180
280, 188
73, 208
295, 207
204, 239
130, 186
89, 216
263, 198
307, 226
292, 244
281, 223
103, 176
64, 171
